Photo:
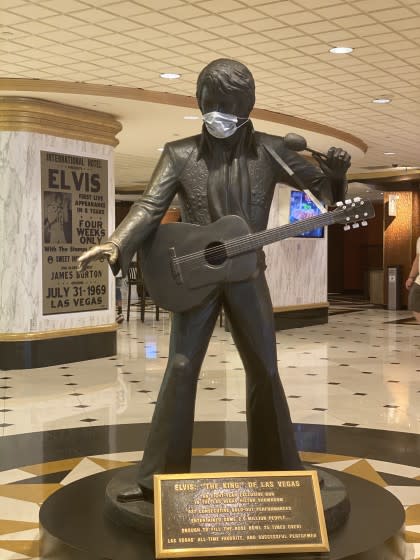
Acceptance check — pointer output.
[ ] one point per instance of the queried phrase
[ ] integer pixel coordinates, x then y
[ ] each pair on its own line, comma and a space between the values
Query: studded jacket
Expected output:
180, 171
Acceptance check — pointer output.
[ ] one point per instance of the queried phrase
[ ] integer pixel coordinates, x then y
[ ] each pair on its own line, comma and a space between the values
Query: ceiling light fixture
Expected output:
160, 149
381, 100
389, 153
170, 75
191, 118
341, 50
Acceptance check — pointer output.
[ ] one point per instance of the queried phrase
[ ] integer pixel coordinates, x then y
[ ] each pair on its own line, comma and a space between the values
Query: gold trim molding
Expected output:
56, 119
178, 100
400, 174
59, 333
301, 307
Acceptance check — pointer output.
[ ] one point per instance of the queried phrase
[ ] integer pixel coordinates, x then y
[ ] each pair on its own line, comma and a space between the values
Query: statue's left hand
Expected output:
336, 164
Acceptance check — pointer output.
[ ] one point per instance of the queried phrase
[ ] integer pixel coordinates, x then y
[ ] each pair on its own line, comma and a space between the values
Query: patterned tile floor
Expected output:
23, 490
358, 374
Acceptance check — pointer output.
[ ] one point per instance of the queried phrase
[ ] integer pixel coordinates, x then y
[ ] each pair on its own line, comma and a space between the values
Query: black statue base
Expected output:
139, 515
74, 526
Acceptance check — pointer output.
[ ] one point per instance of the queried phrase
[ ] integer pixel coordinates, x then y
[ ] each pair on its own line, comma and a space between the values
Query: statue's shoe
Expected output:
135, 494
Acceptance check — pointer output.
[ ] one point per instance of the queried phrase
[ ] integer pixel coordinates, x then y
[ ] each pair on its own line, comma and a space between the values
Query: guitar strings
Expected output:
257, 238
239, 242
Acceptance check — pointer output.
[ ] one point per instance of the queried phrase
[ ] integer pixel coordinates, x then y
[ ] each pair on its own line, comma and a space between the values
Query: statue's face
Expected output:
230, 104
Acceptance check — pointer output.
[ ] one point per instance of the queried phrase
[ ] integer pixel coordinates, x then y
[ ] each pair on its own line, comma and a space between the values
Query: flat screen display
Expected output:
302, 207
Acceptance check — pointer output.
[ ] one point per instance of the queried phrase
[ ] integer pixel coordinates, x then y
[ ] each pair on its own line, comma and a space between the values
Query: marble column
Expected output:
29, 338
296, 271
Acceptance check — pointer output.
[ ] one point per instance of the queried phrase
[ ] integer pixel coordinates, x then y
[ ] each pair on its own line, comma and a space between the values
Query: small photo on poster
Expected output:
57, 218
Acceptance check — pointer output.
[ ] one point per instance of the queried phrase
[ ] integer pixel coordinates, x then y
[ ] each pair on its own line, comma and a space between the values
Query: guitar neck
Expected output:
254, 241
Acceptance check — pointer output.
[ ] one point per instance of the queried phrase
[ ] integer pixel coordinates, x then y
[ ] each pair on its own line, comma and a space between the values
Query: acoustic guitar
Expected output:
183, 264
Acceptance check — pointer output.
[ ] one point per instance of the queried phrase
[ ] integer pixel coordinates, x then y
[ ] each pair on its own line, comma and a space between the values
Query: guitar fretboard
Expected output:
254, 241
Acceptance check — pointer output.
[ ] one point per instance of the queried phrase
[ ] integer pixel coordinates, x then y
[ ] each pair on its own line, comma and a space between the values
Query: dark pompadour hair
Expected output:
228, 77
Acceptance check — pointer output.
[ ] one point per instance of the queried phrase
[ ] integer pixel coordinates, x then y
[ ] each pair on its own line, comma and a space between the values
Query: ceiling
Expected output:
108, 56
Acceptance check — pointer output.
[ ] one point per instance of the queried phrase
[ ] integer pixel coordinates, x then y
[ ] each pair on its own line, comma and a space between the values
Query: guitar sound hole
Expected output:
215, 253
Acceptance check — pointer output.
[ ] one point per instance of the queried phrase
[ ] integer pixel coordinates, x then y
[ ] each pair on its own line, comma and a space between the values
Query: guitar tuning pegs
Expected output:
364, 223
357, 199
347, 227
348, 201
355, 226
339, 203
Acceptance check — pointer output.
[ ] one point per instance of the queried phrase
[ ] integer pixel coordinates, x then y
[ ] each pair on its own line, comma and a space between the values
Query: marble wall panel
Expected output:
296, 267
21, 231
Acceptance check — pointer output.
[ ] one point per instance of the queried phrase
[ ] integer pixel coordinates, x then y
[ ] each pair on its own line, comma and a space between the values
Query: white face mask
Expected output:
221, 125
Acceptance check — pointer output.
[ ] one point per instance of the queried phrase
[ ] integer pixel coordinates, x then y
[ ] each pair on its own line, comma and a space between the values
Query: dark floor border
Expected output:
405, 321
40, 447
298, 318
28, 354
344, 311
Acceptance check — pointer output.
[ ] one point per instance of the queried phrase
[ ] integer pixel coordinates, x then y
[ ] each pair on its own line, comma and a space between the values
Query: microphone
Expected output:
297, 143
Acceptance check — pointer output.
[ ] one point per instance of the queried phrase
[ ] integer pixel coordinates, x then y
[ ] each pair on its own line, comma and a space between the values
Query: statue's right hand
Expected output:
106, 250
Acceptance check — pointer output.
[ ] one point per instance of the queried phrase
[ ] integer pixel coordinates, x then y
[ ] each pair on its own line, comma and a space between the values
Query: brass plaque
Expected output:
219, 514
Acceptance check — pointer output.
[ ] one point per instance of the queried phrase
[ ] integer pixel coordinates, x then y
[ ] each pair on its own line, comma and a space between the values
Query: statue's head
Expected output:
226, 86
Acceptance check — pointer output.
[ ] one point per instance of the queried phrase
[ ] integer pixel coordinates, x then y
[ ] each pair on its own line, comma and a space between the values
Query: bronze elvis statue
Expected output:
227, 169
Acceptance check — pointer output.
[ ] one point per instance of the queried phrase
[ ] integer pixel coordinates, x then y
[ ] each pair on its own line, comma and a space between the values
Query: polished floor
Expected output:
353, 387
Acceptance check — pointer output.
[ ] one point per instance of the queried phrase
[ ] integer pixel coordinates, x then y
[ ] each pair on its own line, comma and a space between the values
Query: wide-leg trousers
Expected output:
271, 442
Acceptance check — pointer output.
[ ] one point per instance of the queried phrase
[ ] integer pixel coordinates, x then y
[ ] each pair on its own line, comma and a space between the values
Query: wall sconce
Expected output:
392, 204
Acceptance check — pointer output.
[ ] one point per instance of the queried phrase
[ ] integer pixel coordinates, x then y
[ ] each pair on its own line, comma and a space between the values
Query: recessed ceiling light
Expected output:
341, 50
381, 100
191, 118
170, 75
389, 153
